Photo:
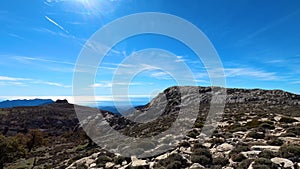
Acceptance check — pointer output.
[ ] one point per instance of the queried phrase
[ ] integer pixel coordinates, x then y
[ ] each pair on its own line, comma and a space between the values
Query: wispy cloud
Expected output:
296, 82
161, 75
16, 81
13, 81
250, 72
110, 84
6, 78
56, 24
269, 26
16, 36
52, 84
26, 59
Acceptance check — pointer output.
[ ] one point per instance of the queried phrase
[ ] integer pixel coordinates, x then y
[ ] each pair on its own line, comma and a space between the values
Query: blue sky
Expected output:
258, 43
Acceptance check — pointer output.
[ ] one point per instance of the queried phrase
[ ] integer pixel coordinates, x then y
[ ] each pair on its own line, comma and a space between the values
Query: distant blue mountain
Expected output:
122, 109
113, 109
26, 103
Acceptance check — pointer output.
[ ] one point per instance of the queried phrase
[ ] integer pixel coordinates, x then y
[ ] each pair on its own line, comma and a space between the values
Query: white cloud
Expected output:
56, 24
179, 59
52, 84
259, 74
15, 81
161, 75
6, 78
110, 84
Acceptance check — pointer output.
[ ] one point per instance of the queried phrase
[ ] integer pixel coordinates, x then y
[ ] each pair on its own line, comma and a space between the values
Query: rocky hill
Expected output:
259, 129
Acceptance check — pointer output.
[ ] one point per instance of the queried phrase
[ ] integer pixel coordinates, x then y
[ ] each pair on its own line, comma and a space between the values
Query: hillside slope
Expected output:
259, 128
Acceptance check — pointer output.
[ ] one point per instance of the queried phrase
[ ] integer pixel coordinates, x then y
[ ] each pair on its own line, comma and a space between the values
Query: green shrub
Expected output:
81, 166
256, 135
288, 135
10, 149
287, 120
267, 126
120, 159
217, 141
202, 151
291, 152
245, 164
199, 124
220, 161
239, 148
263, 163
294, 130
253, 124
238, 157
267, 154
184, 144
275, 142
102, 160
198, 146
201, 159
201, 155
174, 165
172, 161
193, 134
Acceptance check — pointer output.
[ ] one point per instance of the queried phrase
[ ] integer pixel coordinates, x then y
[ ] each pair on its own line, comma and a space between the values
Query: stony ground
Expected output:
259, 129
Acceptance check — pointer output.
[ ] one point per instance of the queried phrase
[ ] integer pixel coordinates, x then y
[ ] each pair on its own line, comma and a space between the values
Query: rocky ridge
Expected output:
259, 129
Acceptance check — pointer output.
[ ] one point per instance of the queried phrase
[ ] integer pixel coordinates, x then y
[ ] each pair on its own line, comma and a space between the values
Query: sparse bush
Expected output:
214, 167
35, 138
10, 149
275, 142
245, 164
193, 134
267, 126
238, 157
203, 151
238, 149
201, 159
287, 120
263, 163
253, 124
173, 161
198, 146
199, 123
291, 152
184, 144
234, 127
102, 160
220, 161
119, 159
81, 166
174, 165
239, 129
201, 155
294, 130
217, 141
267, 154
256, 135
288, 135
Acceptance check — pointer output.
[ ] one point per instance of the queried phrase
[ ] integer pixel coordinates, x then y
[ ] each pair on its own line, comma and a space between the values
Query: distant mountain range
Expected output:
24, 103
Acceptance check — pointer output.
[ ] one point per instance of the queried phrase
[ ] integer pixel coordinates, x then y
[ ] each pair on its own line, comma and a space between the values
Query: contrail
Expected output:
56, 24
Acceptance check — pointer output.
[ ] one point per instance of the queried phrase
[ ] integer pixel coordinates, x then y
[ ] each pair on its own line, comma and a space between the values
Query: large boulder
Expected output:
283, 162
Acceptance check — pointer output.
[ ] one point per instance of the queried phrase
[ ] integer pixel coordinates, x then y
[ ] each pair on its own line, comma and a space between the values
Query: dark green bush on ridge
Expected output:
263, 163
291, 152
287, 120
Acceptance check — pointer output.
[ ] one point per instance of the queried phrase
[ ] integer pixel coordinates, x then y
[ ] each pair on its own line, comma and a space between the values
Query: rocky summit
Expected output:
258, 129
